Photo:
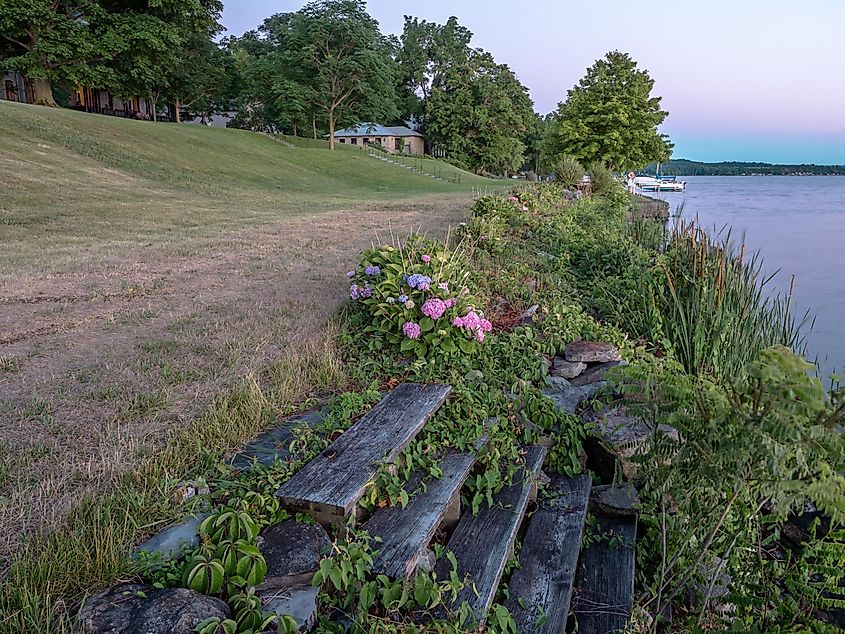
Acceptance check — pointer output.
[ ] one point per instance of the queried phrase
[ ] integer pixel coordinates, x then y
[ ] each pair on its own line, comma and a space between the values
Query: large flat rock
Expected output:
293, 551
135, 608
591, 352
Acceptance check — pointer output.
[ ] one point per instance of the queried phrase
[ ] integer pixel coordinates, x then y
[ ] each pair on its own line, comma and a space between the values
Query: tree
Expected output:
108, 43
479, 113
331, 55
203, 83
610, 116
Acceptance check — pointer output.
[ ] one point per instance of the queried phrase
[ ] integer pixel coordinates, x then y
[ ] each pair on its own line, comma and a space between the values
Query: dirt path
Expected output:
98, 362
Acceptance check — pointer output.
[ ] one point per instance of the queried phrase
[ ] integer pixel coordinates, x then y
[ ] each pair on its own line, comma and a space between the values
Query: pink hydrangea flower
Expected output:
479, 334
426, 258
450, 302
411, 330
458, 322
485, 325
443, 286
434, 308
513, 199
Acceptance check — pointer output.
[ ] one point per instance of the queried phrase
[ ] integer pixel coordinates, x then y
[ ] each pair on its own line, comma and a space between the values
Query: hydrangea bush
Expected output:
416, 296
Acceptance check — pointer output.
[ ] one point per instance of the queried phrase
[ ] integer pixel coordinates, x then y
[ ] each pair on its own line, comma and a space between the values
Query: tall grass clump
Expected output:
717, 309
568, 171
601, 178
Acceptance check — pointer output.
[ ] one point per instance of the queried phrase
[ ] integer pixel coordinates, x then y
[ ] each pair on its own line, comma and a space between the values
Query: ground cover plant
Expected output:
756, 446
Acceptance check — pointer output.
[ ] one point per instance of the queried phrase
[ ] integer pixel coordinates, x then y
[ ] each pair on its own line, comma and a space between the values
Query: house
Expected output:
398, 139
17, 87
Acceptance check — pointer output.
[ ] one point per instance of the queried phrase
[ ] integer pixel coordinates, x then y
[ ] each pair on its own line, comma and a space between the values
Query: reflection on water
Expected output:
798, 224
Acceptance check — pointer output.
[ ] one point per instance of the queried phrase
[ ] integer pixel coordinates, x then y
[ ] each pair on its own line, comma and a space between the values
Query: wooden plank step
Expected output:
541, 588
406, 533
604, 586
329, 487
484, 543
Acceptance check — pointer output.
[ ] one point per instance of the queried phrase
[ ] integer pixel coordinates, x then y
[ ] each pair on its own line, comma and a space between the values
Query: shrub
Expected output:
568, 172
601, 178
417, 299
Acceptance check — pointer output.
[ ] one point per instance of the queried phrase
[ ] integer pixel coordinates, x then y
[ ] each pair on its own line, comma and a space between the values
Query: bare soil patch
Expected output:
98, 361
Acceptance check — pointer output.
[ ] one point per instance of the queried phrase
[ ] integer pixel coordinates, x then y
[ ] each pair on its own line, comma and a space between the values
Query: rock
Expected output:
135, 608
595, 373
184, 491
567, 369
558, 383
618, 438
292, 551
591, 352
170, 542
615, 500
568, 398
426, 561
298, 601
528, 317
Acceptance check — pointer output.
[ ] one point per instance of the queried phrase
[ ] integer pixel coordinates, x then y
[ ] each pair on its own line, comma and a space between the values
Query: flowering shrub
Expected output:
416, 297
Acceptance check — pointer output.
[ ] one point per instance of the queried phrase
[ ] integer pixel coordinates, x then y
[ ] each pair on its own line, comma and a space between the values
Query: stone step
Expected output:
328, 488
541, 588
604, 585
406, 533
482, 544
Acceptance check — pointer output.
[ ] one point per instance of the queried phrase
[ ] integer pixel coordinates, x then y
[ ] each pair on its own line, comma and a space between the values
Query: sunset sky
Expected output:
742, 79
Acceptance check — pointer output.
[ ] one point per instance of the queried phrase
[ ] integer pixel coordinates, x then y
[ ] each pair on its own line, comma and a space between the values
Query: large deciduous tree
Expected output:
331, 55
467, 105
117, 44
611, 116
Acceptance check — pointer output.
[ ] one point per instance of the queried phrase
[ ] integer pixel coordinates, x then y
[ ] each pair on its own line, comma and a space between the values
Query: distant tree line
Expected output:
328, 66
684, 167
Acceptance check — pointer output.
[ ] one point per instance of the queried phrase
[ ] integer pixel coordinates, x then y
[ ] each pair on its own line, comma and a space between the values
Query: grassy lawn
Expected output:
164, 294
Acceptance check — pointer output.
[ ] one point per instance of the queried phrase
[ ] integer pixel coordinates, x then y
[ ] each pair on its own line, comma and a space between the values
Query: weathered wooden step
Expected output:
484, 543
406, 533
604, 586
329, 487
541, 588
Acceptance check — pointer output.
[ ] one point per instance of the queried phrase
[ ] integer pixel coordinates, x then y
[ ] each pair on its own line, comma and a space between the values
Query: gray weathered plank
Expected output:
548, 558
405, 533
330, 486
605, 579
484, 543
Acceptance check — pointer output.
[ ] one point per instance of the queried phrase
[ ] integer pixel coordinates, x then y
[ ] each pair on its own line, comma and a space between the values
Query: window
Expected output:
342, 140
366, 140
397, 144
353, 141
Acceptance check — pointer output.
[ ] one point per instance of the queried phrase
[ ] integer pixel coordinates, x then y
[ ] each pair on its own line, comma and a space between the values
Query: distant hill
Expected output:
685, 167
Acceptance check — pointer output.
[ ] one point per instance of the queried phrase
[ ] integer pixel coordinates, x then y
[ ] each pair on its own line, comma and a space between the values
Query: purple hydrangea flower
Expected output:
411, 330
367, 291
402, 299
354, 291
372, 270
419, 281
350, 274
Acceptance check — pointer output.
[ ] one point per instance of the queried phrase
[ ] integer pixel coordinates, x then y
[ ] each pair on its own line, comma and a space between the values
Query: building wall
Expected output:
15, 88
412, 145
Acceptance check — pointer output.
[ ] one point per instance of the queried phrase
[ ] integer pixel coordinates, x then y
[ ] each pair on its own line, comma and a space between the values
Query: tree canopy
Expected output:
611, 116
125, 45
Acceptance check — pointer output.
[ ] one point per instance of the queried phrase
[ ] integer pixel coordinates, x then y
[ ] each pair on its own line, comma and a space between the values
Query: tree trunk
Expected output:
153, 103
176, 107
42, 92
314, 125
294, 127
331, 129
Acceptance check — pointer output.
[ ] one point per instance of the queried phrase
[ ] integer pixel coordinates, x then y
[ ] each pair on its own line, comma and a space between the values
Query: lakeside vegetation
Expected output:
750, 453
684, 167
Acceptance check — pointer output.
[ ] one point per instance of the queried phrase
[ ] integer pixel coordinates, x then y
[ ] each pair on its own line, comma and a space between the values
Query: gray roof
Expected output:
374, 129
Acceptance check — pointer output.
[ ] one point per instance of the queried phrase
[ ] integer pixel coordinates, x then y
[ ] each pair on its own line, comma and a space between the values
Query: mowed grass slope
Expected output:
80, 177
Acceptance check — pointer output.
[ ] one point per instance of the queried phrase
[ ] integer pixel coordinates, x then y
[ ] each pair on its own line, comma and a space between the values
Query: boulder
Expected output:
617, 438
298, 602
615, 500
529, 316
591, 352
135, 608
292, 551
170, 542
567, 369
568, 398
595, 373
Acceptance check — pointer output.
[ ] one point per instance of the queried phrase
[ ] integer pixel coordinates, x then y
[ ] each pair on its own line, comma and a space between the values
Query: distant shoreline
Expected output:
685, 167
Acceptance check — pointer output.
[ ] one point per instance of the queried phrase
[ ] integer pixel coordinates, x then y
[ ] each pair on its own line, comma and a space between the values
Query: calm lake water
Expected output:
798, 225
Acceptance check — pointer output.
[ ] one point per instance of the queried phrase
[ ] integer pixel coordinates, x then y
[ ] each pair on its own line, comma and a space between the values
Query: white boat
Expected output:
660, 184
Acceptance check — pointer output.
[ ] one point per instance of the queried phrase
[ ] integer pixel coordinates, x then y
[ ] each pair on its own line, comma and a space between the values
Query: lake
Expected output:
798, 225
